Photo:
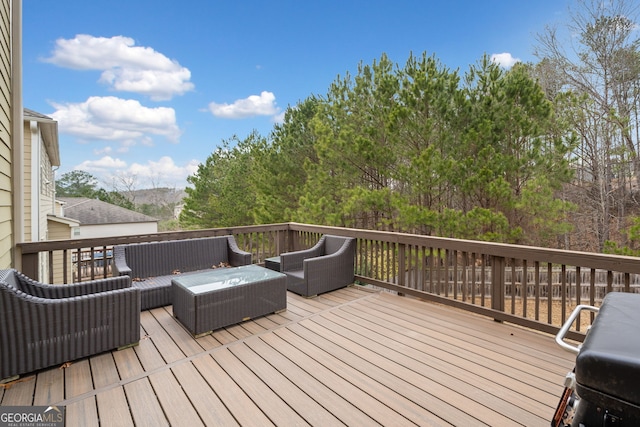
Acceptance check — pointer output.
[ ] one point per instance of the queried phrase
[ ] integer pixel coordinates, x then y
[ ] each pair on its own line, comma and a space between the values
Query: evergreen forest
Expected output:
542, 154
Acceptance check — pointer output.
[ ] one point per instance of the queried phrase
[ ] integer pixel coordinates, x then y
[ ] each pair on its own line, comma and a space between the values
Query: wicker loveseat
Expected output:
327, 266
151, 266
44, 325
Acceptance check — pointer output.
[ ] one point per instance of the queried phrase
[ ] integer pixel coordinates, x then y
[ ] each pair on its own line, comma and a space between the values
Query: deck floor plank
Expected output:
317, 390
104, 370
535, 349
308, 408
49, 387
413, 367
127, 363
376, 381
271, 404
381, 413
253, 328
245, 411
355, 356
458, 346
406, 378
144, 405
20, 393
169, 350
148, 354
455, 342
202, 397
78, 378
224, 336
83, 413
113, 408
456, 370
175, 403
180, 336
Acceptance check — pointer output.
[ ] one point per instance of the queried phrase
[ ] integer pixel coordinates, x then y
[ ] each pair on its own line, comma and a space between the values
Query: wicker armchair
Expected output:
44, 325
327, 266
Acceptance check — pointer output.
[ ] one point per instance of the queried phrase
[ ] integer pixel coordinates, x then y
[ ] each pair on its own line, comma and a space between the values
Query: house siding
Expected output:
6, 148
46, 191
121, 229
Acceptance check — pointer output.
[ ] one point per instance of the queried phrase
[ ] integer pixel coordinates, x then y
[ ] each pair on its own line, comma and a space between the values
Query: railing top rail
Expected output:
625, 264
35, 247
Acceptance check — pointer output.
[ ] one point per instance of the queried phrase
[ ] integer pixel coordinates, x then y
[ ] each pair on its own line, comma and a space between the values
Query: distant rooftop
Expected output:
95, 212
34, 114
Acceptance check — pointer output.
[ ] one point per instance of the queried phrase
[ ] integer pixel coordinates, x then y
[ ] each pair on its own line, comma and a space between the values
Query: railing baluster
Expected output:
524, 291
498, 283
627, 282
536, 267
609, 281
473, 278
513, 286
549, 292
455, 275
578, 295
563, 288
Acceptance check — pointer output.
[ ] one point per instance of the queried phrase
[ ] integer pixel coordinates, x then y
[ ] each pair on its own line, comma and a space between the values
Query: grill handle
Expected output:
562, 333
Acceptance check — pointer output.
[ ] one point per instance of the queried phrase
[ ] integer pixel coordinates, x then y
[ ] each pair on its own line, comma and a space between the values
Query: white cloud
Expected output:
162, 173
279, 118
115, 119
105, 163
125, 67
165, 169
504, 59
255, 105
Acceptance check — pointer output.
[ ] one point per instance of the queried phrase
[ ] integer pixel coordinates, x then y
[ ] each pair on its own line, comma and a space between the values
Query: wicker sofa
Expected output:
327, 266
151, 266
44, 325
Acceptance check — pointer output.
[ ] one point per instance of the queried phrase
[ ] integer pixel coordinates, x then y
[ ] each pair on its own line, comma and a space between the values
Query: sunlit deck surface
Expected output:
350, 357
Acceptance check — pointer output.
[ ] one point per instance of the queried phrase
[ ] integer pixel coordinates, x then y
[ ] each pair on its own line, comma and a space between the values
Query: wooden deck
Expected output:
351, 357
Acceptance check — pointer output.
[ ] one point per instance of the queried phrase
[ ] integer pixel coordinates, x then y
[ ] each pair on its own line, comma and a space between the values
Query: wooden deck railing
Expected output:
530, 286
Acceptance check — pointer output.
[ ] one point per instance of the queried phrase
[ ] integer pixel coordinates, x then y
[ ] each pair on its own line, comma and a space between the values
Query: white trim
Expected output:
35, 180
17, 140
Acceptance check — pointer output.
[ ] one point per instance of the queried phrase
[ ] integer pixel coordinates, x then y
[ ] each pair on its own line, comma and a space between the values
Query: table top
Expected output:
223, 278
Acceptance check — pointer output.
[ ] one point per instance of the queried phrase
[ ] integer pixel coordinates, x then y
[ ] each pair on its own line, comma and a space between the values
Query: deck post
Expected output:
497, 283
291, 240
281, 241
30, 266
402, 266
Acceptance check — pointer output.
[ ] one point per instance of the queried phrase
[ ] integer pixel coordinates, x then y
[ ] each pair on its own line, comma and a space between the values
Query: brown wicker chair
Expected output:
44, 325
327, 266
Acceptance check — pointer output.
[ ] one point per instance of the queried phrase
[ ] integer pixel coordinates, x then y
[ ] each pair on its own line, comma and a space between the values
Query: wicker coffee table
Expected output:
210, 300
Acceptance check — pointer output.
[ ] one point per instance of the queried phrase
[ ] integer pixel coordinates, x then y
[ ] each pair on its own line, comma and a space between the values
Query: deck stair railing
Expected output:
529, 286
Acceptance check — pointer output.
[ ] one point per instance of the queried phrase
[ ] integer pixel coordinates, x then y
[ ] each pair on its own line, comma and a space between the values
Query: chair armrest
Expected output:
43, 290
293, 261
320, 266
120, 267
334, 268
237, 256
107, 298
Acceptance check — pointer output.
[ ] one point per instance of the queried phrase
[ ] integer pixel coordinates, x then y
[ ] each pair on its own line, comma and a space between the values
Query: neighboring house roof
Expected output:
49, 130
96, 212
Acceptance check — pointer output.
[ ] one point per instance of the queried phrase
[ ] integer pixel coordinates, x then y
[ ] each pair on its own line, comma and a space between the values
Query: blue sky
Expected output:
146, 90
